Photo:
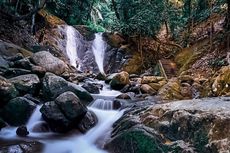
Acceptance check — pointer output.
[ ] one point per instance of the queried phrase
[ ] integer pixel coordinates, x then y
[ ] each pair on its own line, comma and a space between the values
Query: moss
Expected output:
138, 141
200, 140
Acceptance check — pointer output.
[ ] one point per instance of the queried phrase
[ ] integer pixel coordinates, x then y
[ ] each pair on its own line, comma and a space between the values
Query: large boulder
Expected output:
200, 125
54, 85
54, 117
26, 83
119, 80
65, 113
49, 62
7, 91
71, 106
17, 111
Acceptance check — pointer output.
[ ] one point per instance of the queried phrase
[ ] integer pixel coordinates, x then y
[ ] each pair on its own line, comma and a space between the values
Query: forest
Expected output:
114, 76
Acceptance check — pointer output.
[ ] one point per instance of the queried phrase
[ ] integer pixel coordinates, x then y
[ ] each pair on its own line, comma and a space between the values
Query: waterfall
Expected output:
103, 104
98, 48
71, 47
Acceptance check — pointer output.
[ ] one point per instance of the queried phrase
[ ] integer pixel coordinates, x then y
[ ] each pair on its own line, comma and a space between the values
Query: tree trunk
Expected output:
115, 9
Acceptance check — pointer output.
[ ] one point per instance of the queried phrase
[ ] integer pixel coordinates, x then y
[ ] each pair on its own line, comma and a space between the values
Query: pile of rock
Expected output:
29, 79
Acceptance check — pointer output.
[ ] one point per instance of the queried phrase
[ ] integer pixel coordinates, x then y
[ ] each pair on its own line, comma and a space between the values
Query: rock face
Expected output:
181, 126
54, 85
119, 80
17, 111
64, 113
26, 83
49, 62
7, 91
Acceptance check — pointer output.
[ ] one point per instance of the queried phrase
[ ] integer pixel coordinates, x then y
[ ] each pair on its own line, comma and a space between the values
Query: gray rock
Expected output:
3, 63
22, 131
17, 111
26, 83
7, 91
71, 106
21, 147
54, 117
54, 85
89, 121
91, 88
49, 62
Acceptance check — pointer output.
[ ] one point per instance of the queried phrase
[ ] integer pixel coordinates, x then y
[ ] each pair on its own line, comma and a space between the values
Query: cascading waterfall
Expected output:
98, 48
71, 47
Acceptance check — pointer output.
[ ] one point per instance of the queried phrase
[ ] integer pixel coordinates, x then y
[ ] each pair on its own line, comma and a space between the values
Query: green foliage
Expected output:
139, 17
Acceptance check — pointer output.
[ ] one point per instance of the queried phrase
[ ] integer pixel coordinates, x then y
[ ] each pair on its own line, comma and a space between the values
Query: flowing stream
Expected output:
90, 142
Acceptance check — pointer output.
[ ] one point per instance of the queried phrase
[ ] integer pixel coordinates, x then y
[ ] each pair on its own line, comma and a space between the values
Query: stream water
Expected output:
75, 142
91, 142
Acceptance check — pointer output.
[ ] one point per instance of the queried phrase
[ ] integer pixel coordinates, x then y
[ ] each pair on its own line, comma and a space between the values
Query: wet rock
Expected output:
7, 91
71, 106
22, 131
41, 127
147, 89
181, 126
65, 113
49, 62
54, 117
26, 83
110, 77
120, 80
138, 140
171, 90
22, 147
54, 85
123, 96
17, 111
88, 121
91, 88
132, 87
100, 76
116, 104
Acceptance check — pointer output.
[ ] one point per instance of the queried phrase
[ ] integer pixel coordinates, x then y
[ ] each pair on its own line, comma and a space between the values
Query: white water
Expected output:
71, 47
91, 142
98, 48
